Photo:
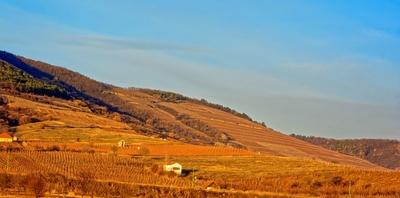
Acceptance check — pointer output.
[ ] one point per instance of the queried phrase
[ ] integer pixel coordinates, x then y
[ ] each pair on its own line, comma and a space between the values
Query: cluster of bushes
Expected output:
174, 97
215, 134
40, 183
85, 184
12, 116
182, 133
10, 148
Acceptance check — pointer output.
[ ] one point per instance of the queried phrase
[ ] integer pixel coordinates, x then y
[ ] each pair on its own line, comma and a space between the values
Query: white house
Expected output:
176, 168
121, 143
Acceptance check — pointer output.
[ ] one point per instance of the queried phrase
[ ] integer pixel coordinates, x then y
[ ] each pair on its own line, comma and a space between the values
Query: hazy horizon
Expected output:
307, 67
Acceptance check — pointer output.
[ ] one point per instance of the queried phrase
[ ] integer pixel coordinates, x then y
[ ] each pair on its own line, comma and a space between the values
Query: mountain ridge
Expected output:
384, 152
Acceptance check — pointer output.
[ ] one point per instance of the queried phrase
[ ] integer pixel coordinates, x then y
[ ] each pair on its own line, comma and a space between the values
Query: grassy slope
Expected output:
68, 122
254, 136
143, 107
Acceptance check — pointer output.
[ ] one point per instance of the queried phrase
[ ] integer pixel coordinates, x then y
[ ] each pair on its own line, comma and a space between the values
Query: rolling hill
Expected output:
53, 97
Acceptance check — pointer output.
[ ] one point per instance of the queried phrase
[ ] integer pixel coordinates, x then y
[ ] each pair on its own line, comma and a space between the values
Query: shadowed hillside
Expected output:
385, 153
12, 78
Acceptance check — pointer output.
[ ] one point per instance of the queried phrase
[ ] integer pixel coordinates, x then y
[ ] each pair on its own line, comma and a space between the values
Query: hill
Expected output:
385, 153
154, 113
70, 128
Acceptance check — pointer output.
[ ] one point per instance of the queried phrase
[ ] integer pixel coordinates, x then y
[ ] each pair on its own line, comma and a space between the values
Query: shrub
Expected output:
85, 179
37, 184
336, 180
143, 151
53, 148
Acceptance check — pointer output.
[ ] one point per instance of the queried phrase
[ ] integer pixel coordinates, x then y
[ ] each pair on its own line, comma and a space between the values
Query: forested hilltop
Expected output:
378, 151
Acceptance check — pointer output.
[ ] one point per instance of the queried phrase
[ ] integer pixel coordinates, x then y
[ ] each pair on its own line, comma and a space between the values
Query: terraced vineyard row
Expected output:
187, 150
69, 164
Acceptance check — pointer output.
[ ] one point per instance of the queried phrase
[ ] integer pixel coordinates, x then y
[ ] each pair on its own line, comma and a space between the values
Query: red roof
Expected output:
5, 135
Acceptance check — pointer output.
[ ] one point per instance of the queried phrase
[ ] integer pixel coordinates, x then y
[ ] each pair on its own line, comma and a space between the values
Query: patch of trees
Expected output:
13, 78
214, 133
12, 116
3, 114
76, 85
378, 151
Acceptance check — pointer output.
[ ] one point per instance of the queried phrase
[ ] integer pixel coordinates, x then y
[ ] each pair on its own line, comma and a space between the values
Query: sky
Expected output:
322, 68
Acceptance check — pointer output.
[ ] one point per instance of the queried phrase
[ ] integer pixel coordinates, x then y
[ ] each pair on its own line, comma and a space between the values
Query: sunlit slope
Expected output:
64, 121
260, 139
164, 115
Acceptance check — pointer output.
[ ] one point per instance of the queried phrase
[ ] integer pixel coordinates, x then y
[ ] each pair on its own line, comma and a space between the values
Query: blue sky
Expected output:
324, 68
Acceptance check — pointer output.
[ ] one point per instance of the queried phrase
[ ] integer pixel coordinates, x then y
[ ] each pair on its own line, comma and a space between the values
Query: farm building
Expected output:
176, 168
5, 137
121, 143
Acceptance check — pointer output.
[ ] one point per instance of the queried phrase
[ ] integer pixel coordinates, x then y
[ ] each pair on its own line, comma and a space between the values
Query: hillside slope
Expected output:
173, 116
382, 152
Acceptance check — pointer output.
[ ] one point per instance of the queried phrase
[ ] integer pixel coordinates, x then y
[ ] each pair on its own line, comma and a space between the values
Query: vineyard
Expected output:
235, 175
102, 167
294, 176
182, 150
158, 149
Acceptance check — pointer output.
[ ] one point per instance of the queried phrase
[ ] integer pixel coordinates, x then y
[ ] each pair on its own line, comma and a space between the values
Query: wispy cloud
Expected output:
125, 43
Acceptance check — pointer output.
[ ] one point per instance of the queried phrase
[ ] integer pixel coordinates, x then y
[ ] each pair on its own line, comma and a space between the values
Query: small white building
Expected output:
121, 143
176, 168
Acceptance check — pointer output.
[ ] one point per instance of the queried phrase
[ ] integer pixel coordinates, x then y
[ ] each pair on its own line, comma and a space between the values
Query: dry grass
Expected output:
56, 131
66, 112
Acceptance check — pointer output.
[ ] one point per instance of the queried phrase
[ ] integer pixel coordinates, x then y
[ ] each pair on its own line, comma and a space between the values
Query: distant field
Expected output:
293, 175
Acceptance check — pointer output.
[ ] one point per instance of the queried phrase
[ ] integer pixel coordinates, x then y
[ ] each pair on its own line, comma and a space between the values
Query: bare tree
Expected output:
143, 151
